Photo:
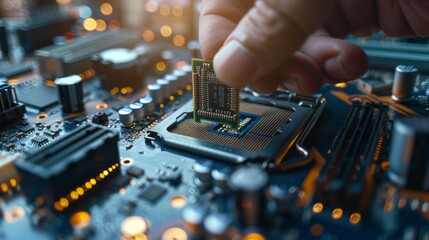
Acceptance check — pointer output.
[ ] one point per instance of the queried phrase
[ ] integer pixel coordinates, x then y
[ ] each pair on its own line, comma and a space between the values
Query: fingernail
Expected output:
235, 65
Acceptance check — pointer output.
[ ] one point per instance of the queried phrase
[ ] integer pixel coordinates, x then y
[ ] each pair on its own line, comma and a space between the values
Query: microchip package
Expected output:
213, 100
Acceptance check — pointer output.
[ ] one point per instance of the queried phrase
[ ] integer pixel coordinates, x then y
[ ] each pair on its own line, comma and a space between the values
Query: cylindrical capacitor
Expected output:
155, 92
138, 111
70, 92
249, 183
181, 77
126, 117
174, 83
409, 153
217, 225
403, 83
165, 88
100, 118
148, 105
202, 174
188, 71
193, 217
220, 180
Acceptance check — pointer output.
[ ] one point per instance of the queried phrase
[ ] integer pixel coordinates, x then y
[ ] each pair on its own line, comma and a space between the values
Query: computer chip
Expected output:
213, 100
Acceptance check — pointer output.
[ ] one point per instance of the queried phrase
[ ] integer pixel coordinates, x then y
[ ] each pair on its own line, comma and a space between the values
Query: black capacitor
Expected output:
70, 92
100, 118
403, 83
409, 153
249, 183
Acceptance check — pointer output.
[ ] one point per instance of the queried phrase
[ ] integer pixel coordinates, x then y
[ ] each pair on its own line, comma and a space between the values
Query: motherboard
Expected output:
113, 134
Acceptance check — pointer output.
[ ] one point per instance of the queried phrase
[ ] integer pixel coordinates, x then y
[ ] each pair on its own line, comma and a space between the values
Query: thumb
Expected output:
268, 35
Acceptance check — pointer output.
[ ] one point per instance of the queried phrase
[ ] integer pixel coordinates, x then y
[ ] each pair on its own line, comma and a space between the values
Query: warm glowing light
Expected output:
161, 105
4, 187
64, 202
133, 226
317, 208
90, 24
13, 81
253, 236
106, 9
114, 90
355, 218
341, 85
160, 66
101, 175
180, 92
179, 40
164, 10
63, 1
151, 6
80, 191
92, 181
148, 35
101, 26
58, 206
337, 213
166, 31
114, 25
13, 182
122, 191
105, 172
177, 11
110, 169
188, 87
101, 105
88, 185
174, 234
74, 195
178, 201
127, 90
316, 229
171, 98
68, 36
80, 219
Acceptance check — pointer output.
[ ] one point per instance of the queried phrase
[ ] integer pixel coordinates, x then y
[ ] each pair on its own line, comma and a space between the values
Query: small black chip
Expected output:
39, 140
121, 181
153, 193
26, 129
135, 171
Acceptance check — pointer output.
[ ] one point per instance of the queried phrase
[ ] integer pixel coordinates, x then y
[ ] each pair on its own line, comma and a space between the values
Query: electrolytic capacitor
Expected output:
409, 153
148, 105
126, 117
403, 83
193, 216
138, 111
182, 78
220, 180
249, 183
217, 225
70, 92
202, 174
155, 92
165, 88
174, 83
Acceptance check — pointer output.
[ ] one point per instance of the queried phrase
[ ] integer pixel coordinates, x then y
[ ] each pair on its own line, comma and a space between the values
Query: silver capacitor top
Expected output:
403, 82
155, 91
409, 153
126, 117
165, 88
148, 105
138, 111
174, 83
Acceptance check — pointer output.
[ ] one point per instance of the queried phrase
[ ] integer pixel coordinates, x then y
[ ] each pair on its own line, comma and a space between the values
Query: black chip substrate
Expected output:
213, 100
153, 193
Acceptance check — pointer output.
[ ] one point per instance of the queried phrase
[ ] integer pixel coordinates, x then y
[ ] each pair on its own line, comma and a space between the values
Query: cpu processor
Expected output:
268, 127
213, 100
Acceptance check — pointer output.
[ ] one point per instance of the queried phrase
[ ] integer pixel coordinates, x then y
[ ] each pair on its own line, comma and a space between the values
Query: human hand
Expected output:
294, 43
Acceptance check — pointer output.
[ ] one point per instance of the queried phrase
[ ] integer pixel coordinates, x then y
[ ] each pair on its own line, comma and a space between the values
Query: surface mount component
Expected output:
70, 167
213, 100
269, 126
409, 153
10, 109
